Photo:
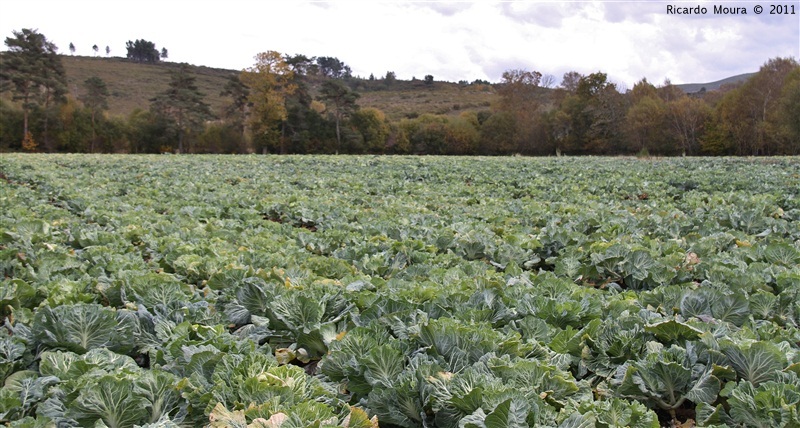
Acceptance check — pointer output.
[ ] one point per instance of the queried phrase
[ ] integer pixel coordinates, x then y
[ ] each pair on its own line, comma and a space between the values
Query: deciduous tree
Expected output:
688, 117
570, 81
519, 96
270, 81
645, 125
744, 114
373, 128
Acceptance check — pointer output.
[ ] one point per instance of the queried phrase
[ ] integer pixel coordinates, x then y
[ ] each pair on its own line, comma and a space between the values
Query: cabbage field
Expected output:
332, 291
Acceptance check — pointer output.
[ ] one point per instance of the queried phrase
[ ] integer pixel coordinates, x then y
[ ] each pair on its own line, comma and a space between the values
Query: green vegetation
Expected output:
353, 291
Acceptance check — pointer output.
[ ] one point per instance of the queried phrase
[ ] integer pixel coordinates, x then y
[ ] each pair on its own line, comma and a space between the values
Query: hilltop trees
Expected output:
143, 51
34, 73
333, 67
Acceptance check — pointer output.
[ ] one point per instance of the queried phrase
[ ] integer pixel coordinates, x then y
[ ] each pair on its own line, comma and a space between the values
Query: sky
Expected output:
451, 40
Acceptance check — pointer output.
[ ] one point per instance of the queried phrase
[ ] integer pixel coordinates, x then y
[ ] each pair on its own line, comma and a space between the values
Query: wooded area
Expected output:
299, 104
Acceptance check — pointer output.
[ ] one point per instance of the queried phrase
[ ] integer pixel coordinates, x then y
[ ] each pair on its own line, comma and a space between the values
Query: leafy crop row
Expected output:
439, 292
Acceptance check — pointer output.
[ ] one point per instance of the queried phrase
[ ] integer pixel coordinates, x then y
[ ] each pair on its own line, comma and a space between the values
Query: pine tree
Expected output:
96, 99
34, 71
182, 103
342, 103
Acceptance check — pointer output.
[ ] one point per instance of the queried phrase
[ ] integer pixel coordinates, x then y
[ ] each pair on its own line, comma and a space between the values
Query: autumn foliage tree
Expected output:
646, 120
687, 117
745, 117
270, 81
372, 127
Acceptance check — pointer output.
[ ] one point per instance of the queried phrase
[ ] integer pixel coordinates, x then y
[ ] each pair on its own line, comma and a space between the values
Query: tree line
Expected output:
299, 104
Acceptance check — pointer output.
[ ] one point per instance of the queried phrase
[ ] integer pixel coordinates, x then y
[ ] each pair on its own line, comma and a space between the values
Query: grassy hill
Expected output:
132, 85
404, 99
713, 86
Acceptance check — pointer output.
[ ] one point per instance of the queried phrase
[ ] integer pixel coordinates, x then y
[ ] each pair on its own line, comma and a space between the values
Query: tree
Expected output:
498, 133
333, 67
71, 49
108, 50
95, 49
788, 114
96, 100
548, 81
182, 103
429, 79
590, 117
236, 111
300, 64
390, 78
745, 113
570, 81
645, 124
270, 81
373, 128
341, 102
519, 96
164, 53
688, 117
33, 70
142, 51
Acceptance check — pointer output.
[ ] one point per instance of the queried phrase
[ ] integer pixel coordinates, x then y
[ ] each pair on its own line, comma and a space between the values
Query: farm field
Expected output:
317, 291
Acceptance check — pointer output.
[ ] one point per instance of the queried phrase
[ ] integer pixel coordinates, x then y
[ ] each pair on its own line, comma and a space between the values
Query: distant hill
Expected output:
131, 85
690, 88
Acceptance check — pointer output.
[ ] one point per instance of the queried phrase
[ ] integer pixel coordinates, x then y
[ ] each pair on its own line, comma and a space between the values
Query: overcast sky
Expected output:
450, 40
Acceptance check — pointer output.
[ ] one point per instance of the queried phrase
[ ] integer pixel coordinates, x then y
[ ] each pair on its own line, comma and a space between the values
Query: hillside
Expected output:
690, 88
132, 85
403, 99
